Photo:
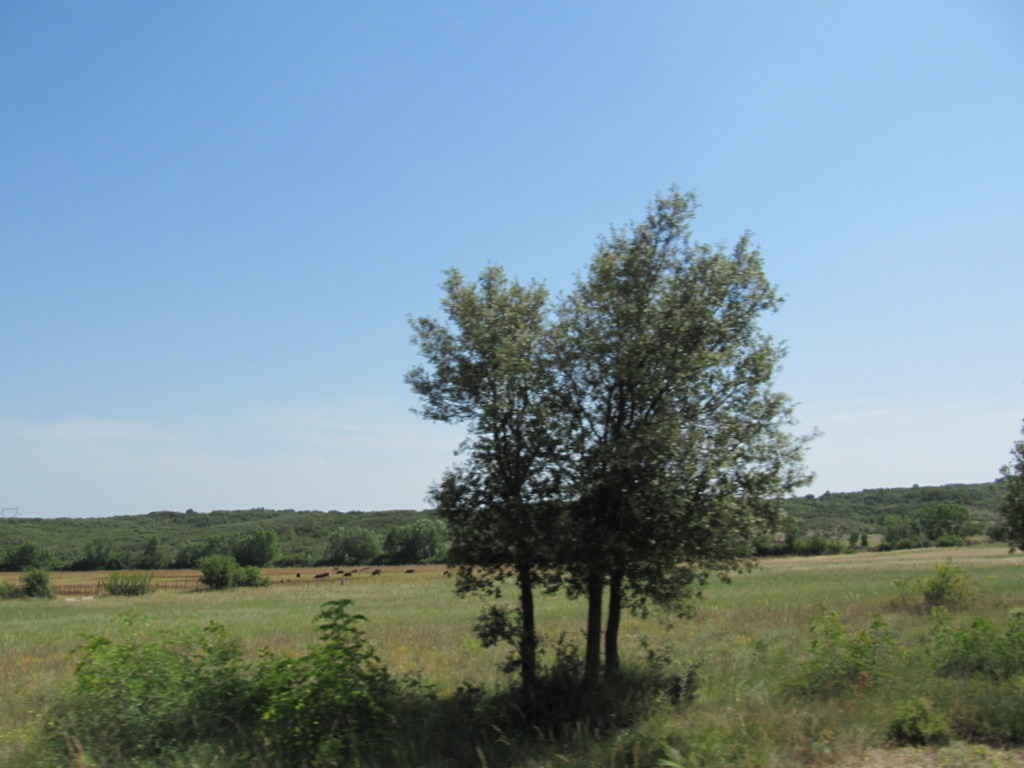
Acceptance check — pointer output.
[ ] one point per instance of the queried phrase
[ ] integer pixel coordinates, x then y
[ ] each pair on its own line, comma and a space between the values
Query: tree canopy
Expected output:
681, 454
1013, 502
489, 366
626, 437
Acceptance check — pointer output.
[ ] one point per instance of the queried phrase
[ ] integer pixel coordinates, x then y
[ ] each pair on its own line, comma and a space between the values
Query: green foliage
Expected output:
948, 587
153, 556
9, 591
425, 541
250, 576
223, 572
944, 519
977, 649
894, 512
133, 698
1012, 506
98, 554
352, 545
840, 659
36, 583
218, 571
629, 427
985, 713
315, 708
257, 547
129, 584
816, 545
918, 724
25, 557
181, 539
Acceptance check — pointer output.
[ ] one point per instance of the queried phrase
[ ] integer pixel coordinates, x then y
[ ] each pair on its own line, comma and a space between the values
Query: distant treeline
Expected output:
889, 518
253, 537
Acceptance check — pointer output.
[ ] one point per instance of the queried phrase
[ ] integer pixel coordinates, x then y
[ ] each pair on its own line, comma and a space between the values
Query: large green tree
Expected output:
627, 441
257, 547
352, 545
1013, 502
681, 447
488, 367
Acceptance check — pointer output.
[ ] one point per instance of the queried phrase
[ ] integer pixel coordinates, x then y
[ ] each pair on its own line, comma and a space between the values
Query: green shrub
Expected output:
36, 583
218, 571
139, 702
918, 724
129, 584
223, 571
9, 591
316, 708
250, 576
840, 659
978, 649
949, 587
132, 698
991, 714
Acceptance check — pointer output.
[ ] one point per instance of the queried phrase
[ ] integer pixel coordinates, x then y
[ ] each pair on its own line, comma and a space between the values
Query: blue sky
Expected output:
216, 218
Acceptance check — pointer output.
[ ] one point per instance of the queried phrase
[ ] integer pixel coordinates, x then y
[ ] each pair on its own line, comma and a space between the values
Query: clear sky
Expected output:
217, 217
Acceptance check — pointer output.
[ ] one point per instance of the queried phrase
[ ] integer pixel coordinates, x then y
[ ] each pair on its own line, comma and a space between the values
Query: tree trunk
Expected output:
528, 640
592, 661
611, 635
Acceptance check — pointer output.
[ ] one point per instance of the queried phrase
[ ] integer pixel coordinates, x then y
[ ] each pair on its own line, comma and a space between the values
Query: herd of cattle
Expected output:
344, 574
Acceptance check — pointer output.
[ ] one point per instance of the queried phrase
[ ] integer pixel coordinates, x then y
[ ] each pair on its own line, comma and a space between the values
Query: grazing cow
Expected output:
350, 573
322, 575
376, 572
298, 575
411, 570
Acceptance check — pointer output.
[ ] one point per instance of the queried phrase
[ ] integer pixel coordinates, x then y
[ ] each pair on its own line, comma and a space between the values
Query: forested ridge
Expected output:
839, 514
177, 538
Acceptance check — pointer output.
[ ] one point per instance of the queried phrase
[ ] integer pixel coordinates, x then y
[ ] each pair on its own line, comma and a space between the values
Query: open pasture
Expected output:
747, 638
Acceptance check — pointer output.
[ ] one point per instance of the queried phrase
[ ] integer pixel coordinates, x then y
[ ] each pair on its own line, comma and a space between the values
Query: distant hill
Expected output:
303, 534
839, 514
174, 537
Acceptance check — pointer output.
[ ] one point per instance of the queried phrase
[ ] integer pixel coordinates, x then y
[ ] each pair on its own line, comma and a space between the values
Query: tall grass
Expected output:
746, 643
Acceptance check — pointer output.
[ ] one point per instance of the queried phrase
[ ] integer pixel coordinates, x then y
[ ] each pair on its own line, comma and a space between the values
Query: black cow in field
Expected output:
323, 575
376, 572
411, 570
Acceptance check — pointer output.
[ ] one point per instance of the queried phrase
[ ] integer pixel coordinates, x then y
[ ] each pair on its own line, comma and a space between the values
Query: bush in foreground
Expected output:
176, 700
134, 700
918, 724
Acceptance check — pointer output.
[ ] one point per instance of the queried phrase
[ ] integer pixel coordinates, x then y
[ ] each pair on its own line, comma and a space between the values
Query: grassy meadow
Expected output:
748, 642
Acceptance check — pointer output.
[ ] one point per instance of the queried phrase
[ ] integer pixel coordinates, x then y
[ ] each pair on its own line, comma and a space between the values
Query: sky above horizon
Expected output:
216, 219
